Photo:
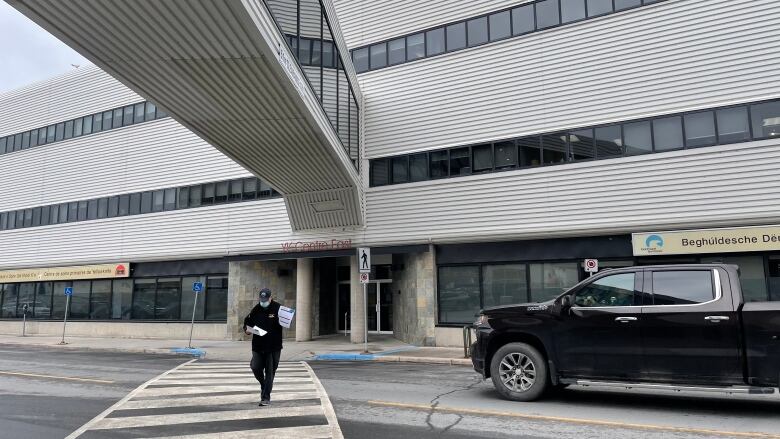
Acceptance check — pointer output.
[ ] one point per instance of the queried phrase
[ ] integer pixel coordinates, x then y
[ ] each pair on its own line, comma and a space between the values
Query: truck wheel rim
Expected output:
517, 372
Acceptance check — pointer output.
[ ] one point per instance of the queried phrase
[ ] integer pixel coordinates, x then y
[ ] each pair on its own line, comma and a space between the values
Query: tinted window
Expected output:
360, 59
572, 10
456, 36
86, 125
733, 125
460, 162
146, 202
168, 297
113, 207
73, 211
128, 115
97, 123
415, 47
143, 298
554, 146
135, 204
124, 205
581, 144
547, 13
458, 294
195, 195
396, 51
399, 171
158, 201
439, 164
599, 7
378, 56
483, 157
418, 167
523, 19
207, 194
26, 137
529, 151
138, 113
668, 134
59, 131
221, 192
505, 154
50, 133
609, 142
69, 129
504, 285
637, 138
151, 109
682, 287
102, 208
92, 209
216, 298
77, 127
766, 120
118, 118
477, 31
500, 25
235, 190
625, 4
250, 189
434, 42
379, 172
699, 129
614, 290
550, 280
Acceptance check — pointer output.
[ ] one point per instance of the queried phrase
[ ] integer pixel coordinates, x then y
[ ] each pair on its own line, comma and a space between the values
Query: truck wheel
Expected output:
519, 372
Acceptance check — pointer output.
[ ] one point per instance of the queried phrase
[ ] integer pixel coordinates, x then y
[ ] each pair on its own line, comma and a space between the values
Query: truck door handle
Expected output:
625, 319
716, 318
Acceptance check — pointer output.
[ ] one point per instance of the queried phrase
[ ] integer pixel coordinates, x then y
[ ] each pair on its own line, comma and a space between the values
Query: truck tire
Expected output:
519, 372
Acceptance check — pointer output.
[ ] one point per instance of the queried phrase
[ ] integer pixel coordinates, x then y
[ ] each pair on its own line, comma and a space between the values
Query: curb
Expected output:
156, 351
393, 359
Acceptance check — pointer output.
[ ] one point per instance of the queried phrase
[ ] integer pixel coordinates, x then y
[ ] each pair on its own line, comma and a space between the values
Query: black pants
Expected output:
264, 365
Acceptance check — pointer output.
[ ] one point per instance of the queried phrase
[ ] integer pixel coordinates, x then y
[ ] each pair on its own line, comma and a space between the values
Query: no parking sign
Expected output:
591, 265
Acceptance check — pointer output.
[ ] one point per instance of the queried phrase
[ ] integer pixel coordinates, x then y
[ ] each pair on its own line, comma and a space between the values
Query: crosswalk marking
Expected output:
308, 432
195, 394
213, 400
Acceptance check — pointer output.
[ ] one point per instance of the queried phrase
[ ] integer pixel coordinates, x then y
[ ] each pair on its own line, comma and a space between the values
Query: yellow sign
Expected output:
103, 271
737, 239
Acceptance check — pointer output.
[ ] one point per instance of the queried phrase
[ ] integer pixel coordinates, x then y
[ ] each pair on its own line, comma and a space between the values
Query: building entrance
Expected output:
379, 307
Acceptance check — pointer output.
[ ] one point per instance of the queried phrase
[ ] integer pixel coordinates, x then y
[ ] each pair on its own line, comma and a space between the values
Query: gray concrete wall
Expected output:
414, 299
246, 279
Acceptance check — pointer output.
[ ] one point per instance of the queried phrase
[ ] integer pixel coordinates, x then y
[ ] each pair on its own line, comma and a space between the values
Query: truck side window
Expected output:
682, 287
614, 290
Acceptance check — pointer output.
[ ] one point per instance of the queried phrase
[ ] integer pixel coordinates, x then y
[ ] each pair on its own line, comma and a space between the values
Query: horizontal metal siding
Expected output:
193, 233
73, 94
152, 155
675, 56
724, 185
368, 21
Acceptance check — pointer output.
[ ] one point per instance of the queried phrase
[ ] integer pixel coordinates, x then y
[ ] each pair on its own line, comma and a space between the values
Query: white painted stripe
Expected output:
308, 432
190, 418
228, 380
171, 391
215, 400
56, 377
129, 396
232, 375
327, 407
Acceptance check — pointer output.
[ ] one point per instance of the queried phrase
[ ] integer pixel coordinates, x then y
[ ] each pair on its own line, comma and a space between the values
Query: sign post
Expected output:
68, 293
591, 266
197, 287
364, 262
24, 319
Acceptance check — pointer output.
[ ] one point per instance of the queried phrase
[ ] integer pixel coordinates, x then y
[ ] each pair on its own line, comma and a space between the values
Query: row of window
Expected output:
508, 23
465, 289
164, 298
741, 123
186, 197
314, 52
82, 126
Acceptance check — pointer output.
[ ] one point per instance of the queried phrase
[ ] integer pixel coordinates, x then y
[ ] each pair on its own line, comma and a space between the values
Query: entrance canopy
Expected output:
229, 71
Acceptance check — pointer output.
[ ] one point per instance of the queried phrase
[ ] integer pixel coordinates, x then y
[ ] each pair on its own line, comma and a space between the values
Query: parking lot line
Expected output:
594, 422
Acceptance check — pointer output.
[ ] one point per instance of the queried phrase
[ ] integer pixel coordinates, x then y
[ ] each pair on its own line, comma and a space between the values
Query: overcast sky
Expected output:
28, 53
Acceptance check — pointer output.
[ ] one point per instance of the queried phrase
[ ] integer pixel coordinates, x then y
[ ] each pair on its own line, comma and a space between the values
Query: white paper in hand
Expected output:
258, 331
286, 316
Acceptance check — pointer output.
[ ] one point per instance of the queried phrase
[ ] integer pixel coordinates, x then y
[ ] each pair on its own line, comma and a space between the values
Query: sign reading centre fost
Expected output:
364, 259
727, 240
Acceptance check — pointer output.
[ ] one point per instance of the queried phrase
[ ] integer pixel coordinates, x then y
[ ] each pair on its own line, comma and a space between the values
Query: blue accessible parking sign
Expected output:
68, 291
197, 287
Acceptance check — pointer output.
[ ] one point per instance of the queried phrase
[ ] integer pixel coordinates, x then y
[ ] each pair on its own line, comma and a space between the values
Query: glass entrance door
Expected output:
379, 307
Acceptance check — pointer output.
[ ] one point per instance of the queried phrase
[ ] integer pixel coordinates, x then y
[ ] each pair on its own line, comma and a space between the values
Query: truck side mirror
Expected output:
566, 301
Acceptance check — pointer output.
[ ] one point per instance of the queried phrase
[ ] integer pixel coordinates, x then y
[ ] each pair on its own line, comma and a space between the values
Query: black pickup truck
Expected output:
663, 327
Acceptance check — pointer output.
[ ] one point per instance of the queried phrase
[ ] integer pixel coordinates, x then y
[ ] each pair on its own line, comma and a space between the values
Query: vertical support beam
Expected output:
357, 304
304, 299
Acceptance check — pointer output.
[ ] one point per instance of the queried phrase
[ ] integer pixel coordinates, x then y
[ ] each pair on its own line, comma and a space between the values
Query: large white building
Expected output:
481, 149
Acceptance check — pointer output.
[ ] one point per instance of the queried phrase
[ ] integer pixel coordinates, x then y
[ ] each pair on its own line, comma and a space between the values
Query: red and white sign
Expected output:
363, 278
591, 265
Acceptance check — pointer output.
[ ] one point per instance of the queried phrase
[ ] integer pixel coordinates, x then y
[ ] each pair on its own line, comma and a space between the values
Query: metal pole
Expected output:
365, 318
24, 324
65, 321
192, 324
345, 324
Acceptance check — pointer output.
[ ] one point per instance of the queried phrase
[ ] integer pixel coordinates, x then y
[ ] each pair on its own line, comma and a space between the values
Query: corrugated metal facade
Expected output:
674, 56
368, 21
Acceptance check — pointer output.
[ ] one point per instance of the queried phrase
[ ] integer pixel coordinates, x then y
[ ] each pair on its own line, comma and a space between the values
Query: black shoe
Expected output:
265, 402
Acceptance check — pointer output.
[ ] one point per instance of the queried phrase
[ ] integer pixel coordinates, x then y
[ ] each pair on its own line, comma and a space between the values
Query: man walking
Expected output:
266, 349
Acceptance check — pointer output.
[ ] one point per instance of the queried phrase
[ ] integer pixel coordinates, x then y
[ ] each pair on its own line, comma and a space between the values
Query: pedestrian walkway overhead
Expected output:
225, 70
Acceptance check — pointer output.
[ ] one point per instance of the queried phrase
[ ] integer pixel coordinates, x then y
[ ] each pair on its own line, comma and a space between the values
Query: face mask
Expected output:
265, 304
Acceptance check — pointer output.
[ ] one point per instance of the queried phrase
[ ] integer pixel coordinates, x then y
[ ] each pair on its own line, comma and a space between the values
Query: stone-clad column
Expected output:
304, 299
357, 305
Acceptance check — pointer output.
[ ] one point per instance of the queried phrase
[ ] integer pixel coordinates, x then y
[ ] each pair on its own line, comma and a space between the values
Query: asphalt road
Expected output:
386, 400
50, 393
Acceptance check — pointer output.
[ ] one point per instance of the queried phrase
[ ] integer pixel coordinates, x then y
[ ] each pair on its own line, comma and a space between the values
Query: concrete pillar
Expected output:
357, 308
304, 299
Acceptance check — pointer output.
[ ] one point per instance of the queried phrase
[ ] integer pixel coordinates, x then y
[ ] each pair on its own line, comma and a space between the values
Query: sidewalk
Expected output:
381, 348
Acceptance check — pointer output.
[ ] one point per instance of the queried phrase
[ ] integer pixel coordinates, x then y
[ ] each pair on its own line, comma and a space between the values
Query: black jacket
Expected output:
268, 320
